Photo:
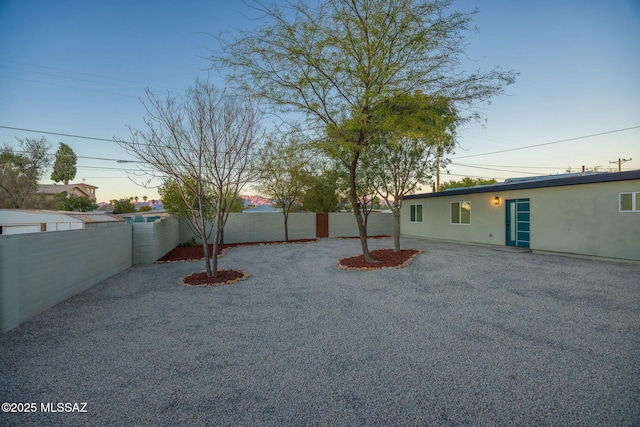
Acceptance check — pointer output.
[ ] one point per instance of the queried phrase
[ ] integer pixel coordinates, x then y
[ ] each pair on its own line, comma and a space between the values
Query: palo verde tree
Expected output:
20, 173
337, 61
64, 166
283, 174
413, 128
204, 143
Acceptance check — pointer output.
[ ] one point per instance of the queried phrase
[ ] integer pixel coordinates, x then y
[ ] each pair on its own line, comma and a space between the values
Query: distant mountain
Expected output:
256, 200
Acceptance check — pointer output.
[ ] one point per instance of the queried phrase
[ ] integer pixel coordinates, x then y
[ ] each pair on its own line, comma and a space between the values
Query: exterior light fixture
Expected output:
496, 200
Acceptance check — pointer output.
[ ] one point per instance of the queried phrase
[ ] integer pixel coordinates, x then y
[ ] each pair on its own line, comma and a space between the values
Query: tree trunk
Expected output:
214, 255
396, 229
362, 231
205, 251
286, 226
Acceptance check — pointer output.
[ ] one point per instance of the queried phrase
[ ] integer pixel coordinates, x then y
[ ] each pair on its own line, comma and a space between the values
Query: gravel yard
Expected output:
466, 335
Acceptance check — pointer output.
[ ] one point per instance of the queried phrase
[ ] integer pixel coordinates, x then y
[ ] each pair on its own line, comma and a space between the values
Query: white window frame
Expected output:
413, 212
459, 203
635, 201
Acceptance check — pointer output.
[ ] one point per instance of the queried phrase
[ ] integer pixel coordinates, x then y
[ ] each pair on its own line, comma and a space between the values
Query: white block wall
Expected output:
343, 224
40, 270
152, 240
261, 227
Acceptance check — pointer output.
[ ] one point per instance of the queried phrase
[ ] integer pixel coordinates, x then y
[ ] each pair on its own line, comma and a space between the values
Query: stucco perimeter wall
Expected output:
343, 224
152, 240
261, 227
40, 270
576, 219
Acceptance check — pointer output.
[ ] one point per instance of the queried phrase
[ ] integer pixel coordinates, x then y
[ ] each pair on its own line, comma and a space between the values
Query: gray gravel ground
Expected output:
466, 335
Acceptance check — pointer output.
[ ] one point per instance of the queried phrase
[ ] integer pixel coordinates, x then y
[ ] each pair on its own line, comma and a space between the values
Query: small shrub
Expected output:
190, 244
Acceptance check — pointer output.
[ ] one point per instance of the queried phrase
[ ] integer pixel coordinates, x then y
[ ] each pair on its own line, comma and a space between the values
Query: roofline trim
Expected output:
553, 182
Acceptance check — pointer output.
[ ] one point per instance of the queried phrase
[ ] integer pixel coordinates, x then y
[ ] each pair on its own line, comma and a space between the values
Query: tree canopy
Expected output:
284, 175
71, 202
64, 166
20, 173
467, 182
337, 62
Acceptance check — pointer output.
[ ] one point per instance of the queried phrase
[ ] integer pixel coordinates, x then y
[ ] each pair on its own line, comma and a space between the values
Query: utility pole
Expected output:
620, 162
438, 167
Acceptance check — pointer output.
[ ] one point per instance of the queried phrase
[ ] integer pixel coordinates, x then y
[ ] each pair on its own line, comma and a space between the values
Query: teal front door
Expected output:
518, 223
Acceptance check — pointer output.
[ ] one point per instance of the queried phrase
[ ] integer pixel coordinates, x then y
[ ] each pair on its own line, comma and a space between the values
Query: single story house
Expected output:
19, 221
80, 190
596, 214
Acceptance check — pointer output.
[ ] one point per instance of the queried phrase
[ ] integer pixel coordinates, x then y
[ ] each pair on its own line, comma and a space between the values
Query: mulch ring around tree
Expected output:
377, 236
195, 253
386, 258
225, 277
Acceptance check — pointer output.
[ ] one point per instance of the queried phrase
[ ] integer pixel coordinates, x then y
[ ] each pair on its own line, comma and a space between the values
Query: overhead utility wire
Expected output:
58, 134
69, 87
84, 74
492, 169
549, 143
511, 166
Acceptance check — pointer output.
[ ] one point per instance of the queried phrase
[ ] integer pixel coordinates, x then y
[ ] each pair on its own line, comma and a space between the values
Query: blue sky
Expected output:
80, 67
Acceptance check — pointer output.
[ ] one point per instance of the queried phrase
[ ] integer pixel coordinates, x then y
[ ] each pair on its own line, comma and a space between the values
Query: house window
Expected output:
461, 213
416, 213
629, 202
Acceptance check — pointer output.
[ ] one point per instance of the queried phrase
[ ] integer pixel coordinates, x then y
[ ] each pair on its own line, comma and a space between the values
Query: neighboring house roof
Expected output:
107, 207
22, 216
535, 182
57, 189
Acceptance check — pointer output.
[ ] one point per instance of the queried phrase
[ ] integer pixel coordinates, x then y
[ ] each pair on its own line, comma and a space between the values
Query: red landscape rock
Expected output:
386, 258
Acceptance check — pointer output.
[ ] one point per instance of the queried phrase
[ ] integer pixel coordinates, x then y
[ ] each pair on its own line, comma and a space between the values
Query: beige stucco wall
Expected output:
579, 219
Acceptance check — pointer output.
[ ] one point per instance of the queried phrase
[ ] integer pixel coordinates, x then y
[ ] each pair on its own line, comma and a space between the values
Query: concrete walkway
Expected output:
466, 335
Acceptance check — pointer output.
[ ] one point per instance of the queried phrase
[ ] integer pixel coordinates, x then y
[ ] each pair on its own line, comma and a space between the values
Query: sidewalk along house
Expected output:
20, 221
596, 214
50, 191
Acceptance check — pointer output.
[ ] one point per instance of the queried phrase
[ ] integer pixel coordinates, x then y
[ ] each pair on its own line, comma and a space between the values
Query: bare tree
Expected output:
203, 143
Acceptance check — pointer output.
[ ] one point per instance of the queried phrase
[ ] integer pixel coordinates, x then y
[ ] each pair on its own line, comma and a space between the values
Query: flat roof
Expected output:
535, 182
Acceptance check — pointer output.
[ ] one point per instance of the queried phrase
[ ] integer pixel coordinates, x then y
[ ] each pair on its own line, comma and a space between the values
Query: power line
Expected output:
84, 74
549, 143
497, 170
69, 87
58, 134
512, 166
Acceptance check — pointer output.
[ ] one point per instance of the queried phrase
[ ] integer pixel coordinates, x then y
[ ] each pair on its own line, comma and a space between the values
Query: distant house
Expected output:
592, 214
80, 190
19, 221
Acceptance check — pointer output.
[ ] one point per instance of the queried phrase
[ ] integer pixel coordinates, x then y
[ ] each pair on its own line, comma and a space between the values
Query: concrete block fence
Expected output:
261, 227
267, 227
40, 270
343, 224
152, 240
